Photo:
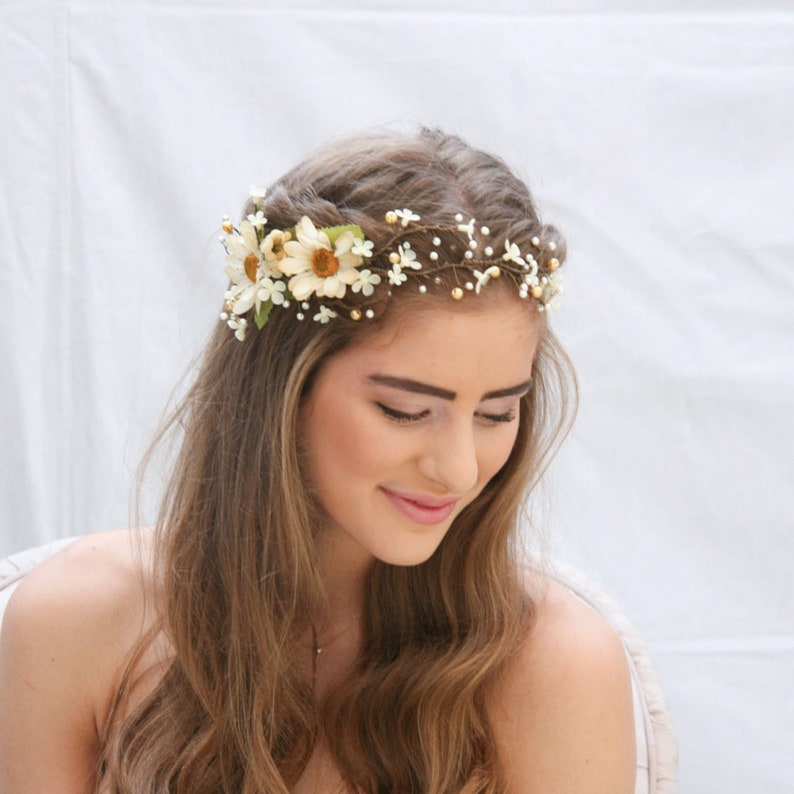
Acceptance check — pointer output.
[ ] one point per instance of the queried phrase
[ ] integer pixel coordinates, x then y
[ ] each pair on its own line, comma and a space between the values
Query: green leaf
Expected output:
260, 318
335, 232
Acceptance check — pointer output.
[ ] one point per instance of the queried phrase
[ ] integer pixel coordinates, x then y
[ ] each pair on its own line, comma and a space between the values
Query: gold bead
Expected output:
391, 217
536, 291
227, 227
457, 293
553, 263
355, 314
394, 258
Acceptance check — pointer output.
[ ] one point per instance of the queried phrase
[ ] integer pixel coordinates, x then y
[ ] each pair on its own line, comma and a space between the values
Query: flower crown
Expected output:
271, 268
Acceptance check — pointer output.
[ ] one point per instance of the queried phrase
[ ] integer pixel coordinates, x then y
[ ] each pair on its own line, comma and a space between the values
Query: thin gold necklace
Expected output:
316, 651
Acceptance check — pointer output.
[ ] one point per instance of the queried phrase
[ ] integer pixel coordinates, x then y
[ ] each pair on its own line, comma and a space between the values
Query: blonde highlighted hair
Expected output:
237, 561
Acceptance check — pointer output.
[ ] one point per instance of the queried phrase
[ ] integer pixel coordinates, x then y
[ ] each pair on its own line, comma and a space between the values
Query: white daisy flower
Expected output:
244, 268
396, 275
273, 247
512, 253
408, 257
366, 282
317, 267
324, 315
362, 247
273, 291
406, 216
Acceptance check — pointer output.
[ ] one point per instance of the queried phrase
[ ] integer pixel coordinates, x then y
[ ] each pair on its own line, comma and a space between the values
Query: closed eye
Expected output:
401, 416
495, 419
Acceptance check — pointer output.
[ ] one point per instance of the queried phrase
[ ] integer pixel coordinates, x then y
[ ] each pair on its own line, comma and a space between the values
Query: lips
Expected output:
422, 508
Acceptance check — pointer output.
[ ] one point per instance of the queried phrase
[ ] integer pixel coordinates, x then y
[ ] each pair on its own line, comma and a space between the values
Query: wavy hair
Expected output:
237, 562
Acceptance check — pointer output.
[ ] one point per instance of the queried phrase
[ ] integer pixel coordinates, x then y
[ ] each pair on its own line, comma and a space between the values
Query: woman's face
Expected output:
402, 432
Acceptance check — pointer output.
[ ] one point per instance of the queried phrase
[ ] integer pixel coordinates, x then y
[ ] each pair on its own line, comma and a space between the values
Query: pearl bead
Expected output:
473, 244
436, 241
304, 305
299, 315
369, 314
536, 241
485, 231
468, 255
552, 246
488, 250
458, 218
224, 316
423, 289
469, 286
434, 255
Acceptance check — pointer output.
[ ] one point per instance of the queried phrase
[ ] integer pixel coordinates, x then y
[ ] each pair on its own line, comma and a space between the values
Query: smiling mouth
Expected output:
424, 509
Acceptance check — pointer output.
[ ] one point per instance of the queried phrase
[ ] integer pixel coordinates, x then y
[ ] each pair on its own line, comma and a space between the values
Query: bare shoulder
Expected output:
66, 630
562, 713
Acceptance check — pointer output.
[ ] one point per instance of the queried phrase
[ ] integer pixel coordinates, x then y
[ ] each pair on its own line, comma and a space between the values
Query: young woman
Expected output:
332, 600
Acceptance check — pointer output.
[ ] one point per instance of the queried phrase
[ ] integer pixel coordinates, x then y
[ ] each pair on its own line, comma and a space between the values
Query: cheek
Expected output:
345, 443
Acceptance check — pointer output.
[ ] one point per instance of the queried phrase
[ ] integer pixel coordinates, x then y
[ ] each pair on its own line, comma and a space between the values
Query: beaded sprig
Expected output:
296, 267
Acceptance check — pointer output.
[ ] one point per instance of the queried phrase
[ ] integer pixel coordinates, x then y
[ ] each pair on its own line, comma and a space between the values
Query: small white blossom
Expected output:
468, 228
408, 257
512, 253
257, 220
551, 289
324, 315
239, 325
273, 291
366, 282
362, 247
257, 194
406, 216
484, 278
396, 275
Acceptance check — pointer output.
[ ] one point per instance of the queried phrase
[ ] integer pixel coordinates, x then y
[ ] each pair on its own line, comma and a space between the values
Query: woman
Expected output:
331, 600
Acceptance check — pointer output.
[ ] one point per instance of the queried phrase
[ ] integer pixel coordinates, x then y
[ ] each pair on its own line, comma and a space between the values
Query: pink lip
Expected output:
422, 508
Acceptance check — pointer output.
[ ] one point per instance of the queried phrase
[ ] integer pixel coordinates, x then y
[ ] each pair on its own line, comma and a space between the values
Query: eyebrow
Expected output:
417, 387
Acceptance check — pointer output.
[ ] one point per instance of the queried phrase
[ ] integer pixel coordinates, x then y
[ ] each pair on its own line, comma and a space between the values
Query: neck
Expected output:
344, 566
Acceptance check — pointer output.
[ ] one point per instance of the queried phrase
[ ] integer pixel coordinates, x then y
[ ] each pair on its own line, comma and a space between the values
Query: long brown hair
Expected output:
237, 561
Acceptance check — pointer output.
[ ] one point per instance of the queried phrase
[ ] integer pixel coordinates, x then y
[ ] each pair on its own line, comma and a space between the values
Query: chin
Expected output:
408, 554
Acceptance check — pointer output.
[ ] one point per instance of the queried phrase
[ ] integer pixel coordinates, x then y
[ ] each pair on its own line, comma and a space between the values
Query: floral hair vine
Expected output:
270, 268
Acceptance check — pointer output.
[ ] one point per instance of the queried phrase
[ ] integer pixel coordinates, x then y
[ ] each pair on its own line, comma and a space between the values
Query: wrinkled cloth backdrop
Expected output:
658, 135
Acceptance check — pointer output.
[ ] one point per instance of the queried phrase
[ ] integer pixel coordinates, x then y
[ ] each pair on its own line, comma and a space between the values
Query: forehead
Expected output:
487, 345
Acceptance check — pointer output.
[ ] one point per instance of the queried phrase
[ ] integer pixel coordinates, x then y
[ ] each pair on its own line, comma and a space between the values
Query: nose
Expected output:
450, 458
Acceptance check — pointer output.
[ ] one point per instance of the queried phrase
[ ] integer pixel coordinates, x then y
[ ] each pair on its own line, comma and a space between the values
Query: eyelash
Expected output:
406, 419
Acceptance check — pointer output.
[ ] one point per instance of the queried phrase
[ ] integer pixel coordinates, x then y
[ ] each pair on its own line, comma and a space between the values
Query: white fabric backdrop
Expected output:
657, 135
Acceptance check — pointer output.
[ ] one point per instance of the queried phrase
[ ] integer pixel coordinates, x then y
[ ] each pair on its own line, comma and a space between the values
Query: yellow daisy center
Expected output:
324, 263
250, 265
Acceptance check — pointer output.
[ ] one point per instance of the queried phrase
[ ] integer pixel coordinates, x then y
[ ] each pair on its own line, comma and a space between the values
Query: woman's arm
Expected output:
563, 715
